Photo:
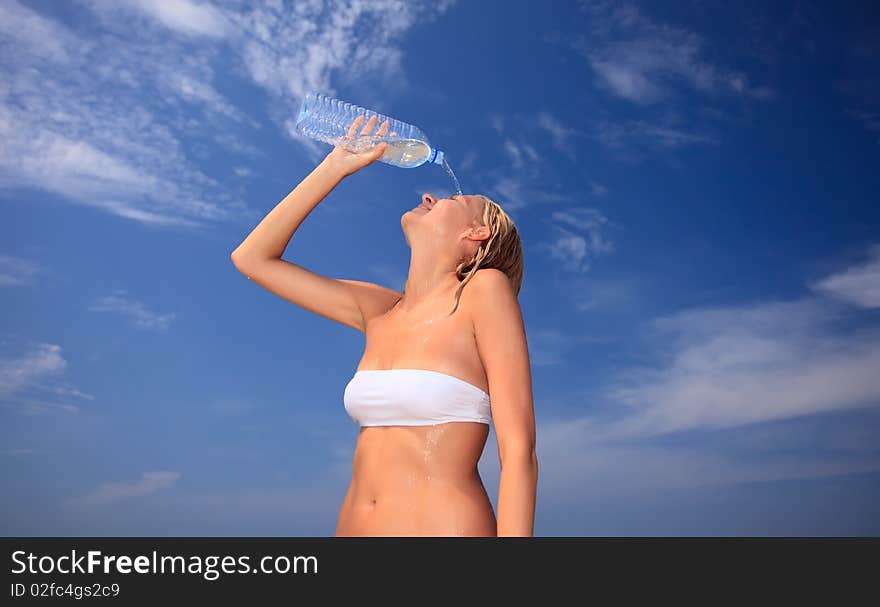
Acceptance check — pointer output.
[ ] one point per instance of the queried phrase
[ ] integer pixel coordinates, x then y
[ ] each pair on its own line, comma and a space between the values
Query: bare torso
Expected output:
420, 480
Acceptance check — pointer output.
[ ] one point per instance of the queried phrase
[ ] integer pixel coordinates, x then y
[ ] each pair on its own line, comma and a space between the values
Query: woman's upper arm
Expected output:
503, 349
349, 302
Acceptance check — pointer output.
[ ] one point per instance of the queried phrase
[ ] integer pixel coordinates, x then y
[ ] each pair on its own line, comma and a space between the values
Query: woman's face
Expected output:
447, 216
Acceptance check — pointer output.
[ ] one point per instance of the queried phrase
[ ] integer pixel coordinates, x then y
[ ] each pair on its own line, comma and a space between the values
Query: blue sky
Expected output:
695, 184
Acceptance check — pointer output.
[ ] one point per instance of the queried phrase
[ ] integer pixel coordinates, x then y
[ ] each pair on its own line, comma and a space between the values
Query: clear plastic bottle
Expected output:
328, 120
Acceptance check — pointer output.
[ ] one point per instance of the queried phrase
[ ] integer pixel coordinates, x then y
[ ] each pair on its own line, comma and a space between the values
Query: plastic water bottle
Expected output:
328, 120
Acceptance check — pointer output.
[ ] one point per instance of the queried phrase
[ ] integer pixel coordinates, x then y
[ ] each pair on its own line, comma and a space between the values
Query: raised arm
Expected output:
350, 302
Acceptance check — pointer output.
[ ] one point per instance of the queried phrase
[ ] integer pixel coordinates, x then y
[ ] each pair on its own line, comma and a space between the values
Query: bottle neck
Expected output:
436, 156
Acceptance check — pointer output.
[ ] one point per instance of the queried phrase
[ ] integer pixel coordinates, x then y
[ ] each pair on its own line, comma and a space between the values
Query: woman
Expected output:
433, 355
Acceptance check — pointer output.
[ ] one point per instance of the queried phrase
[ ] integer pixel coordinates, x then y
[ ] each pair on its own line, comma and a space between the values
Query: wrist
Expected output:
331, 167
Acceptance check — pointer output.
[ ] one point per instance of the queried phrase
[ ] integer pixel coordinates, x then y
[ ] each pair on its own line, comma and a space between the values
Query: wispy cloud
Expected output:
559, 133
520, 178
520, 153
150, 482
19, 373
25, 375
622, 134
580, 237
728, 366
858, 285
137, 312
644, 62
121, 118
742, 365
515, 192
597, 188
740, 385
663, 70
581, 467
16, 271
183, 16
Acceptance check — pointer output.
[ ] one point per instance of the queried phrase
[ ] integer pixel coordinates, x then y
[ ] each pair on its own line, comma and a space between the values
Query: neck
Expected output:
429, 273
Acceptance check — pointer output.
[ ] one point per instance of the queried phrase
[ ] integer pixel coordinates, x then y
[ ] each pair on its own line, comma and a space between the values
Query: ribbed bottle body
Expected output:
326, 119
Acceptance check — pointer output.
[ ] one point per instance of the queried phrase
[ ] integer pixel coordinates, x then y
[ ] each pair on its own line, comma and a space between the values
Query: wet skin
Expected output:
421, 480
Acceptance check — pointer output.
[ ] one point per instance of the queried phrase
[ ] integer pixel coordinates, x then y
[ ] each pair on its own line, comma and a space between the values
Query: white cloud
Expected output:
620, 134
597, 188
118, 120
183, 16
858, 285
738, 365
559, 133
519, 151
150, 482
25, 374
15, 271
745, 380
513, 192
138, 314
580, 466
580, 238
41, 360
643, 62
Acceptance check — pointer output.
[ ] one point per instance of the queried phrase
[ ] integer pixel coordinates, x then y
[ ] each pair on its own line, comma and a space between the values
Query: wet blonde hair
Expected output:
502, 250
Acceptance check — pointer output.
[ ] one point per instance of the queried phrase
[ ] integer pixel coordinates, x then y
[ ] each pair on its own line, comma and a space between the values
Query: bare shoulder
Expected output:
488, 284
490, 276
490, 294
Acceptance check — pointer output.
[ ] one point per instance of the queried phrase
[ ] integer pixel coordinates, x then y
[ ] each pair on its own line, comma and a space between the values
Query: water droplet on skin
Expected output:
432, 439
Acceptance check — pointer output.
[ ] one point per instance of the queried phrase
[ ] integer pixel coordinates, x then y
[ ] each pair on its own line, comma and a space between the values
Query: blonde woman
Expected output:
433, 356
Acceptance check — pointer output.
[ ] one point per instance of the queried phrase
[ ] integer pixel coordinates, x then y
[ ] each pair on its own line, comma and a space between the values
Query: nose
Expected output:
428, 200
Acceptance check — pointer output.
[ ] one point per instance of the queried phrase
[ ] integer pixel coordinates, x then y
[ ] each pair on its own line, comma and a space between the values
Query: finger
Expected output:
368, 127
374, 151
384, 128
393, 134
354, 125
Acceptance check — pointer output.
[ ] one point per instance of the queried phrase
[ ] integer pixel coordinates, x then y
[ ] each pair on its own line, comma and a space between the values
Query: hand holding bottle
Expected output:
350, 162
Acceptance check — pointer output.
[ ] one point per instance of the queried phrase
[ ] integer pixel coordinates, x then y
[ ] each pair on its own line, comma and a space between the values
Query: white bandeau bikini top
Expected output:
413, 397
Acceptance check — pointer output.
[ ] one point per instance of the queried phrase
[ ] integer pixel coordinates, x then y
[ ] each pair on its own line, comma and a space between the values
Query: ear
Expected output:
477, 232
482, 232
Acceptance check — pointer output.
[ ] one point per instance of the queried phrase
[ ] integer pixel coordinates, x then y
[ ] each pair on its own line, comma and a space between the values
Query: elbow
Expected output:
519, 454
236, 262
239, 260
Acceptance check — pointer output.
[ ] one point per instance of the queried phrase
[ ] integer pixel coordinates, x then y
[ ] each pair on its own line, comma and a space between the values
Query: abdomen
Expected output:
418, 480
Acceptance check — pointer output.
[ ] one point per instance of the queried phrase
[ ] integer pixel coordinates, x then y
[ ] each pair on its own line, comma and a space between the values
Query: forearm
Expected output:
272, 235
516, 494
